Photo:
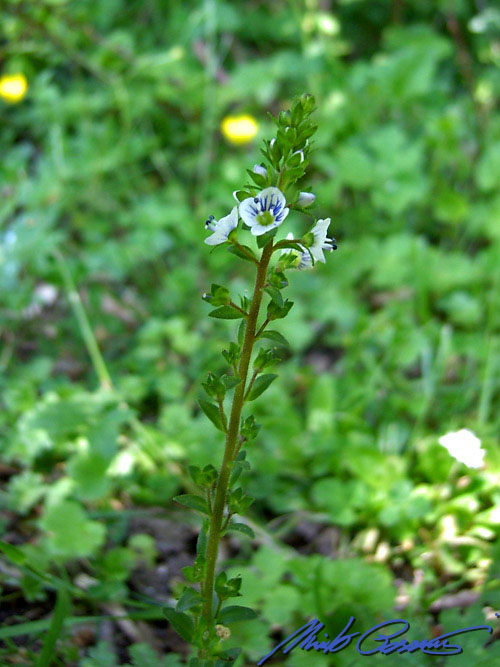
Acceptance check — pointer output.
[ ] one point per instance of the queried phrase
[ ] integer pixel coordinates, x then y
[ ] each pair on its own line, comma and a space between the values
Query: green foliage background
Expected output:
109, 168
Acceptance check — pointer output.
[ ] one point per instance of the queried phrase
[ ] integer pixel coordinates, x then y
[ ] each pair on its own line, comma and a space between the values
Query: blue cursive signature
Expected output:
306, 638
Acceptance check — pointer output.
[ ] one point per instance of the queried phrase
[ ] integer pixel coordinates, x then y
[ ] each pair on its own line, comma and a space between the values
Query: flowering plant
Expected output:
201, 616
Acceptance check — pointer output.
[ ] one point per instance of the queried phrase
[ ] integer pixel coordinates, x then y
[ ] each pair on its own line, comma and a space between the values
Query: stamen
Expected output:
256, 200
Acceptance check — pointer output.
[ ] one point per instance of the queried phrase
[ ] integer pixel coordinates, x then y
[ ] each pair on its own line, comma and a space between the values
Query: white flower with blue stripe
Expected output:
221, 228
265, 211
321, 242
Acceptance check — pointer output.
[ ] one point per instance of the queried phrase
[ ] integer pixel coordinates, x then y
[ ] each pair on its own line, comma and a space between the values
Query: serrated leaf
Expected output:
181, 623
72, 533
260, 385
275, 336
226, 313
241, 528
212, 412
196, 503
234, 613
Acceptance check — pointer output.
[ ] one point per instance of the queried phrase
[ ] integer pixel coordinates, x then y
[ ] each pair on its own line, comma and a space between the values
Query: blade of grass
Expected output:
36, 627
83, 322
61, 611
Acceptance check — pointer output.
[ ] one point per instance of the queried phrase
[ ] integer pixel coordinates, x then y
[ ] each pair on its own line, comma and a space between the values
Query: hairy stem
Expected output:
231, 442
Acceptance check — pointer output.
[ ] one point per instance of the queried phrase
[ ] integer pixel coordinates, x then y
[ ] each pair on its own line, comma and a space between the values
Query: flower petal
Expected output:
229, 222
249, 211
321, 227
215, 239
258, 230
223, 227
272, 199
319, 231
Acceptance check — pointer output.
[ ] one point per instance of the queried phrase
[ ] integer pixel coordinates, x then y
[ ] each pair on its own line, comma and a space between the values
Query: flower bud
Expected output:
307, 103
222, 632
306, 199
258, 169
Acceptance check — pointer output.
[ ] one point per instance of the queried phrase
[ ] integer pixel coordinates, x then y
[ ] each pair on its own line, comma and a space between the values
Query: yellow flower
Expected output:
13, 87
239, 129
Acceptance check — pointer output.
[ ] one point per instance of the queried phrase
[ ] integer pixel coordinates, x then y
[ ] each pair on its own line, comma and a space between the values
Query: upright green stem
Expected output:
232, 439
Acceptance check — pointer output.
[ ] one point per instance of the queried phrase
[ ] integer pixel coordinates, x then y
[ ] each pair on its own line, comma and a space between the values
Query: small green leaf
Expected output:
194, 473
264, 239
13, 553
228, 656
213, 413
275, 336
260, 385
289, 244
258, 179
226, 313
275, 295
181, 623
241, 332
275, 313
233, 613
193, 502
242, 194
241, 528
188, 599
235, 250
230, 381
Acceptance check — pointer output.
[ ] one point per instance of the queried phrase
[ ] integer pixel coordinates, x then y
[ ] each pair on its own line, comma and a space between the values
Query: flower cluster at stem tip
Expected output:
263, 210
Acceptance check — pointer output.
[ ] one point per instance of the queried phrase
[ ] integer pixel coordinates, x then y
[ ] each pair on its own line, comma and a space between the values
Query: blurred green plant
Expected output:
112, 157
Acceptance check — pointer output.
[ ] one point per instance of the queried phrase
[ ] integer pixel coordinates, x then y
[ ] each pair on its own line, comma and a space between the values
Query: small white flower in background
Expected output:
265, 211
305, 199
465, 447
258, 169
46, 293
304, 260
321, 242
221, 228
